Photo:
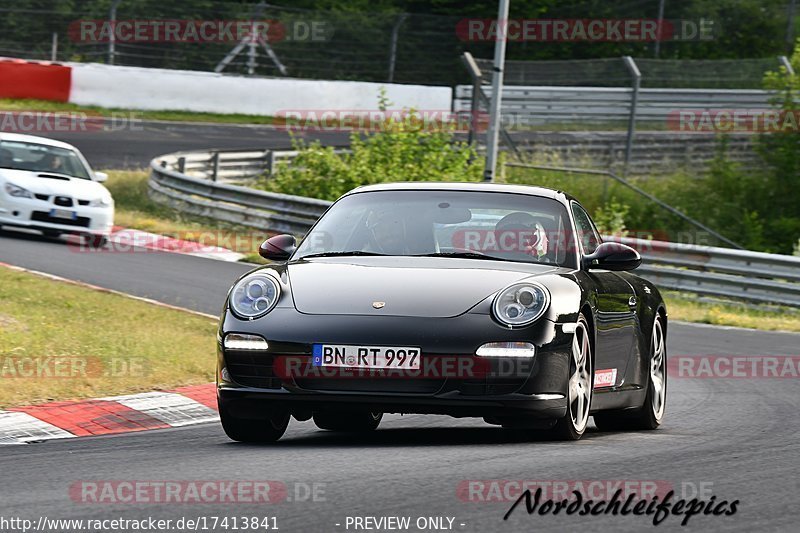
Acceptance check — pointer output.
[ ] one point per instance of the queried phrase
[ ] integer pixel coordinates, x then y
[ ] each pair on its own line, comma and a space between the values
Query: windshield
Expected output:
42, 158
479, 225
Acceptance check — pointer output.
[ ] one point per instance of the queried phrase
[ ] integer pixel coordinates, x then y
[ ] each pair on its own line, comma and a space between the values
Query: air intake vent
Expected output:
54, 177
63, 201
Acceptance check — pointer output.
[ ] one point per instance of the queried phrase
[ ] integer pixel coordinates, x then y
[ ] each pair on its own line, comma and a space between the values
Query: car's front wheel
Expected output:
344, 421
650, 415
579, 389
96, 241
267, 429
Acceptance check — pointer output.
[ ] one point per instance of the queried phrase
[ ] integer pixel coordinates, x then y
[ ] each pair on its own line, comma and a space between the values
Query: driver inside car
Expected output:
388, 232
521, 234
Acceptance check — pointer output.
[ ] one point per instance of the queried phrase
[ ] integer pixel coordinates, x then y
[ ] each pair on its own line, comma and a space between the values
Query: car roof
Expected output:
19, 137
465, 186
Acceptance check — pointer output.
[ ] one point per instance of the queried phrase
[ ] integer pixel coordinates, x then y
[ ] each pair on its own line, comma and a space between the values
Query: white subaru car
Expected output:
48, 185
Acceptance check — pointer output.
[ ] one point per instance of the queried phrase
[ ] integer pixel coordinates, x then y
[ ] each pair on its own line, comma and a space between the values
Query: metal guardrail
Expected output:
227, 165
534, 105
171, 184
750, 276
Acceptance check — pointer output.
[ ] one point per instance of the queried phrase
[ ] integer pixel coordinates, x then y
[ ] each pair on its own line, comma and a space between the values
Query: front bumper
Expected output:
33, 213
251, 382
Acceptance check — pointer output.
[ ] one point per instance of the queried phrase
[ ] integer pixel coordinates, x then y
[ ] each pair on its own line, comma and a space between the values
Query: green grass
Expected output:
104, 343
7, 104
688, 308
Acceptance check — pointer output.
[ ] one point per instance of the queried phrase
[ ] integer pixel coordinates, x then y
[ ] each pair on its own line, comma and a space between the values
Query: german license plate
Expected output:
349, 356
63, 213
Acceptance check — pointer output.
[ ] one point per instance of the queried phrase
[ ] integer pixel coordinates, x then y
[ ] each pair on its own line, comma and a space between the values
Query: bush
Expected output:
401, 151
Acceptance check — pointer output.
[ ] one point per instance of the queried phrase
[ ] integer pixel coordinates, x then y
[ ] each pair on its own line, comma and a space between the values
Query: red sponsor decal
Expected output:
605, 378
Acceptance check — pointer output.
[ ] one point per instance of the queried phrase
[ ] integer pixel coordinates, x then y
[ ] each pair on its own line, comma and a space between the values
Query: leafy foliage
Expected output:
403, 150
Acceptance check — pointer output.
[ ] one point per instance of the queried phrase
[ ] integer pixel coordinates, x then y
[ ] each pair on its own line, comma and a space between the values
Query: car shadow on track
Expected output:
434, 436
22, 234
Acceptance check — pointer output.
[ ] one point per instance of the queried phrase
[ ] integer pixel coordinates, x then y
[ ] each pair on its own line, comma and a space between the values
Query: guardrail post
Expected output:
214, 166
270, 162
636, 76
784, 61
181, 164
476, 76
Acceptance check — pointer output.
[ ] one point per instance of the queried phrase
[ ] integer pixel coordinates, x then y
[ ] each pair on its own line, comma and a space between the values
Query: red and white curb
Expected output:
129, 238
184, 406
124, 240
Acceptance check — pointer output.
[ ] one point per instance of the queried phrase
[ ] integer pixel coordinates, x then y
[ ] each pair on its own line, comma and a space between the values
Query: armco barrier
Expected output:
532, 105
230, 203
750, 276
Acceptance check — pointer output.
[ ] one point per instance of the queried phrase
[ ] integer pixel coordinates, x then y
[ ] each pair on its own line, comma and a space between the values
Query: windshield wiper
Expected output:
341, 254
463, 255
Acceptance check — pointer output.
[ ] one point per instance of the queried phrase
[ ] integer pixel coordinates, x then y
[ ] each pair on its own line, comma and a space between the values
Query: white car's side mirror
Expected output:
100, 177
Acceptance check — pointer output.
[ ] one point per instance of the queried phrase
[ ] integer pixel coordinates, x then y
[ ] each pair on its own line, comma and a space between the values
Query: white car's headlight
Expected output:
254, 296
104, 201
17, 191
521, 303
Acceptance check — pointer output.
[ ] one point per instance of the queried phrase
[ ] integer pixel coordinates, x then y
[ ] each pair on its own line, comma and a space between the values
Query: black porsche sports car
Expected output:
463, 299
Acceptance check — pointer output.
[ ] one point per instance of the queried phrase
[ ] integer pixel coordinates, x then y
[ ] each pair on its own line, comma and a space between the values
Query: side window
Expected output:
587, 234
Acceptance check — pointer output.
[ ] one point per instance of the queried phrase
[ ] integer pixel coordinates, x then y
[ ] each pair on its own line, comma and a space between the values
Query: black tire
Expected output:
269, 429
645, 417
573, 425
96, 241
347, 421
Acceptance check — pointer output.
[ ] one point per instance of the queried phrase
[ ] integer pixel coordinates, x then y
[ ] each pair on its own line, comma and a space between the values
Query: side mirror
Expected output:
613, 256
100, 177
278, 248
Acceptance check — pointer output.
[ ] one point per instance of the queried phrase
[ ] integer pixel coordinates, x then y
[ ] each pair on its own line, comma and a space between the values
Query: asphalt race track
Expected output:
733, 438
131, 145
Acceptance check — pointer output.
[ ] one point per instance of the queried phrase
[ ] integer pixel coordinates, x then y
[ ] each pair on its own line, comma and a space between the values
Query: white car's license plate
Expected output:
63, 213
347, 356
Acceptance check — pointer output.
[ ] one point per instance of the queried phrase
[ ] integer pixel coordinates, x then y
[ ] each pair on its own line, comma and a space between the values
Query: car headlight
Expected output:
17, 191
254, 296
104, 201
521, 304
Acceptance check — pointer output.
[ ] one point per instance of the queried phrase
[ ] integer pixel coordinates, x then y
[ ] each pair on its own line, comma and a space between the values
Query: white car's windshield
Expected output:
41, 158
480, 225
